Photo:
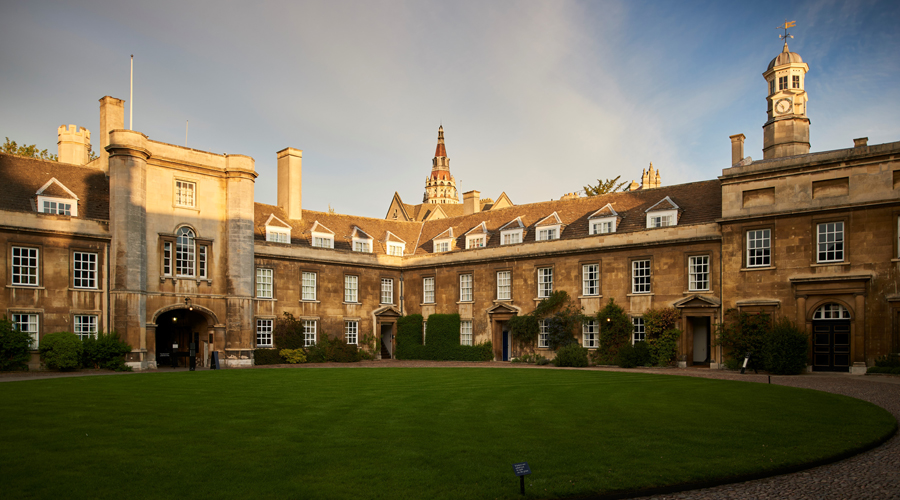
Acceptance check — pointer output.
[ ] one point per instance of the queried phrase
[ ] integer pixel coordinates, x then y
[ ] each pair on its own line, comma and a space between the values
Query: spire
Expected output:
785, 49
441, 150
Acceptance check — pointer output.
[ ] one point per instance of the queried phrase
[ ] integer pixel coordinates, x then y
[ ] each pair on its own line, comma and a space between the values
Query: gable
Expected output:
550, 220
502, 202
397, 210
606, 211
274, 221
664, 204
55, 189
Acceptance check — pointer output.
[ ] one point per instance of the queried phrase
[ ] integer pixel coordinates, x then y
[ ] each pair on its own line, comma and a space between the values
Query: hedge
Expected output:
267, 357
441, 340
61, 351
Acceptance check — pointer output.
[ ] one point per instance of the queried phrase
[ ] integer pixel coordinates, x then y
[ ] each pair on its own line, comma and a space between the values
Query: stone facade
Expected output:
165, 245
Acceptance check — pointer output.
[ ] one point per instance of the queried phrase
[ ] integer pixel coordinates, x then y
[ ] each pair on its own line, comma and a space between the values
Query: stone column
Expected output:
238, 246
128, 157
858, 344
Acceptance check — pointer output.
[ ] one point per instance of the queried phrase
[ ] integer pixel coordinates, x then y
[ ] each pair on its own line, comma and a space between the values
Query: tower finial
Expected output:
441, 150
787, 24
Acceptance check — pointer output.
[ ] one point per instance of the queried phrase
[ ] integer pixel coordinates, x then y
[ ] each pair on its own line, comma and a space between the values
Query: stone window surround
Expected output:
98, 265
315, 274
631, 262
40, 264
471, 287
497, 283
824, 219
198, 242
746, 242
425, 290
709, 270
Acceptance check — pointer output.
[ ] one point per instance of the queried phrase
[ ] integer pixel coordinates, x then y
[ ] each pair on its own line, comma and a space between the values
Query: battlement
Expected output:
74, 144
72, 131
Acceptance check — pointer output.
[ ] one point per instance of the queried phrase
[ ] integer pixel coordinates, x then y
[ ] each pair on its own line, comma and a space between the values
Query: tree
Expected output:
604, 187
15, 346
32, 151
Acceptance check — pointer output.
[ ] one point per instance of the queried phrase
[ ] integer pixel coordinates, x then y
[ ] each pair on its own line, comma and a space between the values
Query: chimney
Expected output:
112, 117
73, 143
737, 148
857, 143
471, 202
290, 182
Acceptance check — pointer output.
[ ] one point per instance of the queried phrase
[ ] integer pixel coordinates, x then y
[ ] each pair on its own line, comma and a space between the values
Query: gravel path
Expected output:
873, 474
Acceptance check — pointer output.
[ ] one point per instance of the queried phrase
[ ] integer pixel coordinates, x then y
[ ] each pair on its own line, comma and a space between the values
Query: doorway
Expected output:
176, 332
700, 327
505, 343
831, 346
387, 344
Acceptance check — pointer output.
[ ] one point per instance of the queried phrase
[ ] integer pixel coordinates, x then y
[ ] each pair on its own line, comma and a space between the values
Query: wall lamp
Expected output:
187, 303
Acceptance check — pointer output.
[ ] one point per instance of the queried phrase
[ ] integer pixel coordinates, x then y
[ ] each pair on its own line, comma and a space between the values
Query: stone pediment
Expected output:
697, 301
502, 308
387, 312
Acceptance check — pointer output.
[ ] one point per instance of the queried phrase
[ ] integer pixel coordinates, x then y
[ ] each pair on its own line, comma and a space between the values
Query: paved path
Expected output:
874, 474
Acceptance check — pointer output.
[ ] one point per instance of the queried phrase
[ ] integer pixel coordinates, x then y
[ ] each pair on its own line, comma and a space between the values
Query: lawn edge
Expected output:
740, 478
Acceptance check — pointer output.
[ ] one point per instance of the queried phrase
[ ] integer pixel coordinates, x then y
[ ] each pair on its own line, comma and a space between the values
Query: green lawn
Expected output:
406, 433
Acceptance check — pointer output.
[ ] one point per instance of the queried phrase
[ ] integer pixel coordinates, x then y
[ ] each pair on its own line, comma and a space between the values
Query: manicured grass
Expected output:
406, 433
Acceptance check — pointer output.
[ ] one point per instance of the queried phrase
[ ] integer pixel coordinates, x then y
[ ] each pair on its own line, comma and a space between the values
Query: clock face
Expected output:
783, 106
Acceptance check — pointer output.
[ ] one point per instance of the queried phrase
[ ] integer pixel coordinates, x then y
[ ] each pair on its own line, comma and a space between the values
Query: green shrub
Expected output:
627, 357
287, 332
664, 347
642, 353
615, 331
293, 356
106, 351
15, 346
895, 370
524, 328
442, 340
267, 357
571, 355
61, 351
734, 364
786, 349
889, 360
542, 361
332, 350
742, 333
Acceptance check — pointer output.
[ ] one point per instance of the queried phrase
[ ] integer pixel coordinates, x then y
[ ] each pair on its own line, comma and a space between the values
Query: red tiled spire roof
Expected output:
441, 150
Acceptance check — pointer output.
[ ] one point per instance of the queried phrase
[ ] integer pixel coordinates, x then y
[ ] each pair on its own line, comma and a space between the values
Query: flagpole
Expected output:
131, 97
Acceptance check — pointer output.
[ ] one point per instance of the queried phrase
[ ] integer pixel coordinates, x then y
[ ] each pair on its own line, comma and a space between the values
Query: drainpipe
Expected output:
402, 289
108, 271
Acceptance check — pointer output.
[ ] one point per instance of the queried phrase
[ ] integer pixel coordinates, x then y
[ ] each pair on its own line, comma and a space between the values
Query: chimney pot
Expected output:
471, 202
861, 142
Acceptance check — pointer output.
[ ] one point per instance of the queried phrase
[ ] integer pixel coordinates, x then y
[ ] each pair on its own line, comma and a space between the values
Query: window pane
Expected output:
465, 287
590, 334
184, 252
85, 326
351, 332
831, 242
28, 323
24, 266
350, 288
387, 291
184, 193
590, 279
264, 332
264, 281
309, 286
638, 330
698, 273
543, 334
545, 282
309, 332
428, 290
640, 276
759, 248
504, 285
465, 332
84, 270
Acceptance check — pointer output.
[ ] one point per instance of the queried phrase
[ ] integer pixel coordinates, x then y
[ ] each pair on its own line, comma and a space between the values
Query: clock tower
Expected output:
786, 132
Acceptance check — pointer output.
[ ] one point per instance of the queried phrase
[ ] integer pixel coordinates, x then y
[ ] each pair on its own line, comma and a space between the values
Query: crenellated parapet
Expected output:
74, 144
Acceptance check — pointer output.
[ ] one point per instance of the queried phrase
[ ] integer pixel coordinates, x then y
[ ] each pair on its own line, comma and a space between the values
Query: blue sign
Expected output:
521, 469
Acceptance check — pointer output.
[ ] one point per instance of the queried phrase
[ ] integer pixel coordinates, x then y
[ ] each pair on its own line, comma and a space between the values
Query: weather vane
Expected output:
787, 24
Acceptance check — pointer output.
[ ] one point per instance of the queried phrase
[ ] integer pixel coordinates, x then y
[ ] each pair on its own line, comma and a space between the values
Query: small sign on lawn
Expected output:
522, 470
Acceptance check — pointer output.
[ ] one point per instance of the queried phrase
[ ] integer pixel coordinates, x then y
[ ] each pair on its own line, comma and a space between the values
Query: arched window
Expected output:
831, 311
184, 252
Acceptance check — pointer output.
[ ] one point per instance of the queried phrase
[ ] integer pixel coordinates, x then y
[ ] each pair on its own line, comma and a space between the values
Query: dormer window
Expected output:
277, 230
360, 241
547, 234
322, 237
443, 242
662, 214
57, 206
603, 221
477, 237
548, 228
395, 245
54, 198
278, 235
660, 220
512, 232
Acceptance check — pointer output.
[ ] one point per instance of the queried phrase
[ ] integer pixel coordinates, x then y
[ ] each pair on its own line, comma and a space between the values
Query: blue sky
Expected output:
536, 98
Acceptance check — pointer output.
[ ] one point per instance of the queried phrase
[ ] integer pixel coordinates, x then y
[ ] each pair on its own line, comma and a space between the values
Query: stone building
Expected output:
164, 245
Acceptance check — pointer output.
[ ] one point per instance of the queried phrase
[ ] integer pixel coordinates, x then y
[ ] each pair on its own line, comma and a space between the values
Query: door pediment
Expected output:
694, 301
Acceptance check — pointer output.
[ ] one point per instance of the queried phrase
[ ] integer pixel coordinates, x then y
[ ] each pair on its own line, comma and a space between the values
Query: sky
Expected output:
537, 98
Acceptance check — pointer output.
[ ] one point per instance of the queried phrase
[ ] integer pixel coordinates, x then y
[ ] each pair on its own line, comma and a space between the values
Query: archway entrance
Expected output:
831, 338
176, 330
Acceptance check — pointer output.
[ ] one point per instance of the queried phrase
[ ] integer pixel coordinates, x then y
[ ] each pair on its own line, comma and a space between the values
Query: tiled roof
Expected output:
700, 202
22, 177
341, 225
